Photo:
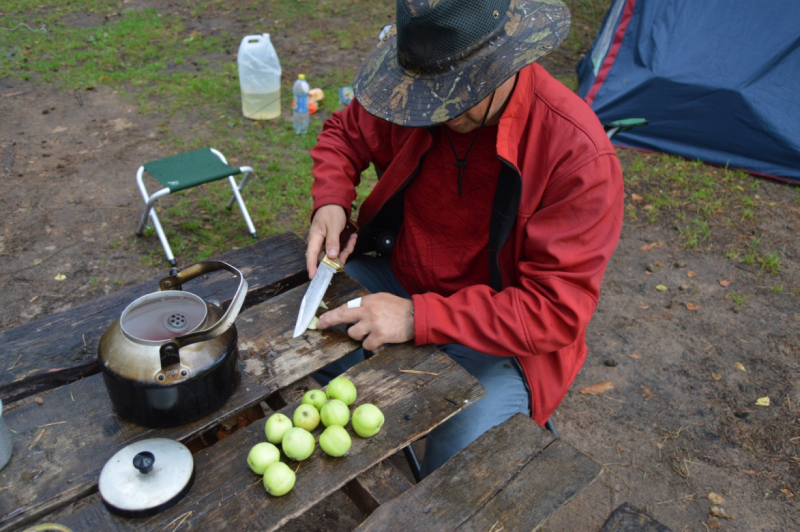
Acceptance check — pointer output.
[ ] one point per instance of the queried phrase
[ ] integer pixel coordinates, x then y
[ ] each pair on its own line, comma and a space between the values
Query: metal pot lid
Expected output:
158, 317
146, 477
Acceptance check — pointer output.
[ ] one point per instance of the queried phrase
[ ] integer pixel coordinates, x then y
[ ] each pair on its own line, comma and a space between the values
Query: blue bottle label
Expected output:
302, 104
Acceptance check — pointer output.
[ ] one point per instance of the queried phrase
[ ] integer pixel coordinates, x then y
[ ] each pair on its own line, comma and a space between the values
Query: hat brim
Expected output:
409, 98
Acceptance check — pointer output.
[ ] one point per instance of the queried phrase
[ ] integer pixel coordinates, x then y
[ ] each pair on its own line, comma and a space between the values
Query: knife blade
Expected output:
316, 290
315, 293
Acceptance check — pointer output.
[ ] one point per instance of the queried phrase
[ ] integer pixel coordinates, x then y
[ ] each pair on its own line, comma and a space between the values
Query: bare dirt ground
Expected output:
681, 421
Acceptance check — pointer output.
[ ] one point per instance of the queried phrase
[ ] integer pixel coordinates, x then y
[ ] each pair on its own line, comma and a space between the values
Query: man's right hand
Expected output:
326, 227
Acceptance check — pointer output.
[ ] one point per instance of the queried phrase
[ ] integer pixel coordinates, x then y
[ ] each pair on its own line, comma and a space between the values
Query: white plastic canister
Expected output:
259, 78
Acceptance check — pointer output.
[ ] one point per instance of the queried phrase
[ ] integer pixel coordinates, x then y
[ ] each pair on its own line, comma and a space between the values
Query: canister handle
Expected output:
174, 282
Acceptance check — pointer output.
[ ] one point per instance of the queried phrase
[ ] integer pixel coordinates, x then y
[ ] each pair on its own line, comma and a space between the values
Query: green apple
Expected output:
279, 479
298, 443
335, 441
261, 456
335, 412
306, 417
316, 398
367, 420
276, 426
343, 389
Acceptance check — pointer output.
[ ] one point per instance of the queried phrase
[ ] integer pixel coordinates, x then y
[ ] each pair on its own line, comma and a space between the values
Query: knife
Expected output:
320, 282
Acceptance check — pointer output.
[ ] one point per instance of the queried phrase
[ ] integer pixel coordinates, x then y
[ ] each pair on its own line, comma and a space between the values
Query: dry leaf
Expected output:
713, 522
762, 401
648, 247
636, 356
716, 511
644, 307
636, 197
724, 282
647, 393
661, 288
60, 277
739, 366
39, 400
690, 273
692, 306
716, 376
597, 389
715, 499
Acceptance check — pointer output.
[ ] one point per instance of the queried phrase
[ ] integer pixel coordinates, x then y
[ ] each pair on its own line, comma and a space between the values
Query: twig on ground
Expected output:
42, 28
184, 518
419, 372
689, 497
37, 439
15, 363
51, 424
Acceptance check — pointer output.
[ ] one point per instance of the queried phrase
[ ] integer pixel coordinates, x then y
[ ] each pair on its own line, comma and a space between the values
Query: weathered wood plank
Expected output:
453, 494
61, 348
543, 486
375, 486
227, 495
66, 461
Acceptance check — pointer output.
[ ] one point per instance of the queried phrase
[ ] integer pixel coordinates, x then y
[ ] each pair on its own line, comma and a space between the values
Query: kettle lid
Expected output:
146, 477
161, 316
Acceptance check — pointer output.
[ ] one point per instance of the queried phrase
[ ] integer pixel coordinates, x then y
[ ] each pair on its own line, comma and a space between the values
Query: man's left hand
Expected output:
381, 319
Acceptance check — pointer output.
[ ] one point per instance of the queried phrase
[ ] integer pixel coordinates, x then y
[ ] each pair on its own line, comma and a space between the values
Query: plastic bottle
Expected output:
259, 78
300, 105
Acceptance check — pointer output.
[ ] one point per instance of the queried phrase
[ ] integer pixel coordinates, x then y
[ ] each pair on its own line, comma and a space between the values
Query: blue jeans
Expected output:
506, 389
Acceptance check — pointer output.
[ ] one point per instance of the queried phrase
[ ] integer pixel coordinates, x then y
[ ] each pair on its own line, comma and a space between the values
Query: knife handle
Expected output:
349, 228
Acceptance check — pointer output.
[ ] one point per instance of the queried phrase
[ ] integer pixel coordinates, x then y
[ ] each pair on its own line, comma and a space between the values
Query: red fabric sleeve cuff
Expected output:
420, 320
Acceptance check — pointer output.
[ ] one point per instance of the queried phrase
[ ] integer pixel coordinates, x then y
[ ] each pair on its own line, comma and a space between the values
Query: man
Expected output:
498, 207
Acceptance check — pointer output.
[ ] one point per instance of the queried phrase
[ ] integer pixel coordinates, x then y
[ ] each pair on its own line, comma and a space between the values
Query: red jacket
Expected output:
558, 215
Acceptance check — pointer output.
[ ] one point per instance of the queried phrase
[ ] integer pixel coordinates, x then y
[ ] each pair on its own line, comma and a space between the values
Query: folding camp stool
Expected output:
188, 170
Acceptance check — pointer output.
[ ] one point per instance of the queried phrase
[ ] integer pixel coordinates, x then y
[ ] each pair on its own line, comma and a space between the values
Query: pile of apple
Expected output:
332, 409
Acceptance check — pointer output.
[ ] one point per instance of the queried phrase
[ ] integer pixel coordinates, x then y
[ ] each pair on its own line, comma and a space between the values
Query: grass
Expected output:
705, 204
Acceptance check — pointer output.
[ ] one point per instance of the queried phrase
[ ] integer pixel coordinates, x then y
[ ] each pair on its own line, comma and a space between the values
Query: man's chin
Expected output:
460, 125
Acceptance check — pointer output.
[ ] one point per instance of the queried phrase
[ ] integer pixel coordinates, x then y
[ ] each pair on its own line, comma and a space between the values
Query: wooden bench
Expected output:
511, 478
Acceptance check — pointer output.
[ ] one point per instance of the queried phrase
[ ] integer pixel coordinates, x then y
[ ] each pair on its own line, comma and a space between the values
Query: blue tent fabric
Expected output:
717, 80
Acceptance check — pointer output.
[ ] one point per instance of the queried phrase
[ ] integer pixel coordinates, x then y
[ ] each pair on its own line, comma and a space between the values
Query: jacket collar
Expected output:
515, 117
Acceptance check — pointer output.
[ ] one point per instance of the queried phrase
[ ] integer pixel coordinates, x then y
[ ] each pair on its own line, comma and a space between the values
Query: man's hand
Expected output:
327, 225
381, 319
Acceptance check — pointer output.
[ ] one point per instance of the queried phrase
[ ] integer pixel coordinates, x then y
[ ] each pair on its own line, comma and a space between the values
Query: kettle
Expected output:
172, 358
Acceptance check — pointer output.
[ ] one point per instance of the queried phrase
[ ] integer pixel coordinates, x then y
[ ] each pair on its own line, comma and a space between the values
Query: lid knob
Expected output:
144, 461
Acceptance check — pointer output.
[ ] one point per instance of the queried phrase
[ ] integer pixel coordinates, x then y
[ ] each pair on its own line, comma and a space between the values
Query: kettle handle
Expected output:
174, 282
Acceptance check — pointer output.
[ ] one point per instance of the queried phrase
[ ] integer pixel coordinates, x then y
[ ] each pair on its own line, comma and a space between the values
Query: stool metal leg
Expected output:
149, 210
247, 171
238, 196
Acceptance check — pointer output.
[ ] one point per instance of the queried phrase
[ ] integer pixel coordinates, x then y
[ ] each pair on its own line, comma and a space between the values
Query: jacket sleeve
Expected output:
567, 243
348, 143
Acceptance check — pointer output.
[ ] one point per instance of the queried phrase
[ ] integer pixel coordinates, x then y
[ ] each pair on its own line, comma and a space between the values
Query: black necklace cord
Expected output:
461, 162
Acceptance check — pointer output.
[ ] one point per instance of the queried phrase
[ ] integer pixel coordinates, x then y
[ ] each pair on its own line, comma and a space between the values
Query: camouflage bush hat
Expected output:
445, 56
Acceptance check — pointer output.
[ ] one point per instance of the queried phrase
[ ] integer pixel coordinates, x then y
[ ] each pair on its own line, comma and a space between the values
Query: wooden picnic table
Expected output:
65, 428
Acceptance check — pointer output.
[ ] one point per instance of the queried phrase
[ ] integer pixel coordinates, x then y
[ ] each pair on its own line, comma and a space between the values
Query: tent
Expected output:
717, 80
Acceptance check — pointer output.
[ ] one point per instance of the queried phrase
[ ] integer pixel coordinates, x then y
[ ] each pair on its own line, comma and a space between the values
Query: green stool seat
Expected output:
187, 170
